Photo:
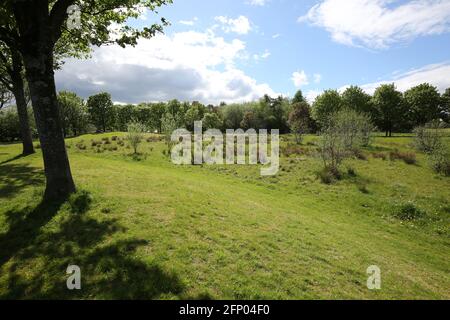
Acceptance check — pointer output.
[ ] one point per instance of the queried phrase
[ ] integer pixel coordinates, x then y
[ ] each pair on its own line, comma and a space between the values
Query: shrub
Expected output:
428, 138
362, 187
114, 138
81, 146
95, 143
380, 155
439, 160
291, 149
342, 137
351, 172
135, 134
359, 154
408, 212
328, 175
407, 157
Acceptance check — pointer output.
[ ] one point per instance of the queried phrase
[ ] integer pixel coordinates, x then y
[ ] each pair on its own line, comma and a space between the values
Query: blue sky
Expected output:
236, 50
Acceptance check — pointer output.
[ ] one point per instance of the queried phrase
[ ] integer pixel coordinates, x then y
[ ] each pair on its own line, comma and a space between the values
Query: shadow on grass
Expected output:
15, 177
41, 242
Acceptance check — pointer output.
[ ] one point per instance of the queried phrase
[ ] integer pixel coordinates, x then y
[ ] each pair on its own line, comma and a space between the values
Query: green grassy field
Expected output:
146, 229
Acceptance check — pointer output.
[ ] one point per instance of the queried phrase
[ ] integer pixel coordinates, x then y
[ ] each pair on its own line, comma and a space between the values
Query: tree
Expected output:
389, 107
233, 115
211, 121
9, 125
298, 97
423, 102
100, 108
249, 121
195, 113
124, 115
300, 120
5, 95
135, 134
33, 28
12, 80
325, 105
355, 98
445, 106
73, 113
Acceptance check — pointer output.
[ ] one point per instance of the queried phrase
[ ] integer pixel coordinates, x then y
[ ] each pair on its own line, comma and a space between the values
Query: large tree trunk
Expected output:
19, 95
38, 34
39, 68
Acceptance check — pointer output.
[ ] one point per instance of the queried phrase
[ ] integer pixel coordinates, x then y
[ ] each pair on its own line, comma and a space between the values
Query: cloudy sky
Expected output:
239, 50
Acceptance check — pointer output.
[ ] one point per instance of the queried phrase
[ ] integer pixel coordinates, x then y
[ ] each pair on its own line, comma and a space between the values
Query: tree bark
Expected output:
43, 95
21, 103
37, 44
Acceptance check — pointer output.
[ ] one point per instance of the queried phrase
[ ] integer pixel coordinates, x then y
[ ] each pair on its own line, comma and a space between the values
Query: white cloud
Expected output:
189, 22
260, 3
378, 23
435, 74
276, 36
266, 54
300, 79
187, 66
317, 78
240, 25
311, 95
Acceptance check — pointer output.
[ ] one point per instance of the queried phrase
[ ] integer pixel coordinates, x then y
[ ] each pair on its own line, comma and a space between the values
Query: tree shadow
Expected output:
34, 259
15, 177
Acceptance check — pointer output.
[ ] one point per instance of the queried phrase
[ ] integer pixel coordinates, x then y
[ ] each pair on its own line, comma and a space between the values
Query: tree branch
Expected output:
58, 15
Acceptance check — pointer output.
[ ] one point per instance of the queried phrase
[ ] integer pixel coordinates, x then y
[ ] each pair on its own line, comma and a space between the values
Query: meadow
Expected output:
142, 228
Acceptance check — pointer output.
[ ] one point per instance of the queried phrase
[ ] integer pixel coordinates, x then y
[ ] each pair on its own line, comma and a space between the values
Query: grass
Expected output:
142, 228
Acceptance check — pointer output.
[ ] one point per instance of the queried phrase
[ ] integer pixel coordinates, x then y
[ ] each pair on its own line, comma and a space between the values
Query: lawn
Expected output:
142, 228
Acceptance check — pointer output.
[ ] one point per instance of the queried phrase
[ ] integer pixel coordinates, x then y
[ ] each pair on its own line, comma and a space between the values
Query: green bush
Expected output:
440, 161
428, 138
329, 175
408, 212
407, 157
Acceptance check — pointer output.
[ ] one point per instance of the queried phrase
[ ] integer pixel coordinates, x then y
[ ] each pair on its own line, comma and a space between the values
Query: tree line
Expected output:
388, 109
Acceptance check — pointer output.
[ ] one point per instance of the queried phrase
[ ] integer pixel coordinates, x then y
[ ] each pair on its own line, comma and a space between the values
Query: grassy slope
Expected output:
159, 231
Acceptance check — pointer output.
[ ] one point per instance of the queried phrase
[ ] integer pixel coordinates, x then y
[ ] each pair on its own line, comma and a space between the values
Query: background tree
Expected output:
212, 121
124, 115
389, 107
326, 104
423, 103
300, 120
195, 113
12, 79
445, 106
135, 135
355, 98
73, 113
9, 125
33, 28
249, 121
298, 97
233, 115
100, 108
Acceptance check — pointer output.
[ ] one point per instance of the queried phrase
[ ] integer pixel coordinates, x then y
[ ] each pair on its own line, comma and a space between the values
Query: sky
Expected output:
239, 50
